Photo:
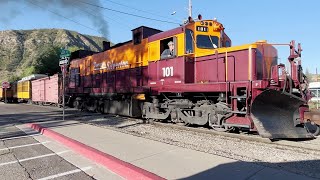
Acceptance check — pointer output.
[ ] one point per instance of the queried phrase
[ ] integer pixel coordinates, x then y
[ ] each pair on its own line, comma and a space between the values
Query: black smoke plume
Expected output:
72, 9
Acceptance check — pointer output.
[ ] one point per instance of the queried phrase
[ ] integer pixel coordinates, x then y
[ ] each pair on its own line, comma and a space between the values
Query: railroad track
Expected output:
312, 145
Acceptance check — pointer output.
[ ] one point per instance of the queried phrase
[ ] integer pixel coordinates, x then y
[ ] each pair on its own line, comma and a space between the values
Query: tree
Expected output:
74, 48
308, 74
48, 61
14, 78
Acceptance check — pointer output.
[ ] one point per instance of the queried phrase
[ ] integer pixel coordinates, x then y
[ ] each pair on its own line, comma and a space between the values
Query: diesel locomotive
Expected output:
204, 81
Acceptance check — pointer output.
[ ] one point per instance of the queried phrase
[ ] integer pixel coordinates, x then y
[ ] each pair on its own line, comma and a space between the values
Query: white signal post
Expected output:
190, 9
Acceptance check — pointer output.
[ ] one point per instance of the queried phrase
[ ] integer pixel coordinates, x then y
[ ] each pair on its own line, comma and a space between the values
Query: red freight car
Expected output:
46, 90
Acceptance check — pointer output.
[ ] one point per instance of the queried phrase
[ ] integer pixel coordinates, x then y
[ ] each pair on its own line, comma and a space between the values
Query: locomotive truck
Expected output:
206, 82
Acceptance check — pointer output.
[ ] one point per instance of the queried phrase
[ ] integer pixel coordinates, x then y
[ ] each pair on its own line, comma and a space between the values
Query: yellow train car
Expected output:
24, 90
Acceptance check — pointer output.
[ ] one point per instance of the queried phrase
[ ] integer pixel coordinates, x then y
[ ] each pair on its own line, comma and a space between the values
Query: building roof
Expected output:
33, 77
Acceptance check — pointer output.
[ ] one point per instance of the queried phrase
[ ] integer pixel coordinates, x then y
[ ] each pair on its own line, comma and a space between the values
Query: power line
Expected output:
32, 2
170, 22
92, 14
139, 9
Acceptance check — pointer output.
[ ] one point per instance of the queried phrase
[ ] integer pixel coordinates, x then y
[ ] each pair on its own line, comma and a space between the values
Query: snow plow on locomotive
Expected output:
192, 75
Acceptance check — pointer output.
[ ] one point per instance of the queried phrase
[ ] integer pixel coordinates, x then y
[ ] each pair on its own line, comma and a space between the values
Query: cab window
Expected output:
168, 48
228, 44
207, 42
189, 41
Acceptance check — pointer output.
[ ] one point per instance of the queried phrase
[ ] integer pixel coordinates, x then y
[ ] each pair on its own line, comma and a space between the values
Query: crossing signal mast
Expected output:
190, 9
190, 14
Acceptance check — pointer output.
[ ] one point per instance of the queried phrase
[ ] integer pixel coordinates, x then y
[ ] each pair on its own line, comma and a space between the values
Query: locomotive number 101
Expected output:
167, 71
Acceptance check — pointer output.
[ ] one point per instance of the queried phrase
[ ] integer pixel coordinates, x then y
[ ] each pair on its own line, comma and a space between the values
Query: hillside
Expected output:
19, 49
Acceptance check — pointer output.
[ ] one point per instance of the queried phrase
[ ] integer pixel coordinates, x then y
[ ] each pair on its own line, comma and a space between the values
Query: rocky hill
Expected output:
19, 48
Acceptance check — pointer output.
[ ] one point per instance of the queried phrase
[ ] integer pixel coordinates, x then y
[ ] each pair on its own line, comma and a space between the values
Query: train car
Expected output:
193, 75
46, 91
14, 91
11, 93
8, 94
24, 87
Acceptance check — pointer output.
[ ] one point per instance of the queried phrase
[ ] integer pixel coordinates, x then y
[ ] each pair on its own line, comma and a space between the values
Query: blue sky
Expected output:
244, 21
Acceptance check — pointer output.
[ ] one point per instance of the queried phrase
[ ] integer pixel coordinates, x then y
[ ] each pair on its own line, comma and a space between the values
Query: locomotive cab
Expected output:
203, 36
195, 39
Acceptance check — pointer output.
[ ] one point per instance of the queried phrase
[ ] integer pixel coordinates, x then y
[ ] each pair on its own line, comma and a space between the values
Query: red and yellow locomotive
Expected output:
202, 80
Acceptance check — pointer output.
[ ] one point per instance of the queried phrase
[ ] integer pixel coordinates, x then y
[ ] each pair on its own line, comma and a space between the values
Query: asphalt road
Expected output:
24, 157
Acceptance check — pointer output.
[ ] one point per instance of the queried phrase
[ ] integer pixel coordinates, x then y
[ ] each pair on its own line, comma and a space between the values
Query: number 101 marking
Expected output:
167, 71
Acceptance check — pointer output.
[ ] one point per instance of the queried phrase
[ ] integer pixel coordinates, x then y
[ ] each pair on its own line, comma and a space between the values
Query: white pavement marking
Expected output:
17, 137
26, 145
66, 173
36, 157
46, 155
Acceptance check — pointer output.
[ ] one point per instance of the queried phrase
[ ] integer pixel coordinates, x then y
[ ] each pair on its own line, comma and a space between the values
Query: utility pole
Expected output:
190, 8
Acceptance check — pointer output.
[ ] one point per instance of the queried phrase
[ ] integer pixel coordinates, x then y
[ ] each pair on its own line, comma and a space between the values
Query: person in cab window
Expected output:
168, 52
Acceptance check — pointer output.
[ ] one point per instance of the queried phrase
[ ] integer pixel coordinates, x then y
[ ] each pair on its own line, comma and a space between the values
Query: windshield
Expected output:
203, 41
189, 41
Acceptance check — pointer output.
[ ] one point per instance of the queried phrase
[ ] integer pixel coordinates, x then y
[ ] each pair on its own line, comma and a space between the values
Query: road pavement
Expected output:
26, 154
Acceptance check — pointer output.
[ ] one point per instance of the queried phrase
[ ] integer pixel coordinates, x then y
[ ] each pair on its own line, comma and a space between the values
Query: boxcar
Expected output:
46, 90
8, 94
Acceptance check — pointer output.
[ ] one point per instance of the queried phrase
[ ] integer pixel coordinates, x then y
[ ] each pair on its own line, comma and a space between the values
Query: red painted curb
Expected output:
122, 168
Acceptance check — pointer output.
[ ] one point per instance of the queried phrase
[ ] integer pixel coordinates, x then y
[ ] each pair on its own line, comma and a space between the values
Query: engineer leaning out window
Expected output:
167, 53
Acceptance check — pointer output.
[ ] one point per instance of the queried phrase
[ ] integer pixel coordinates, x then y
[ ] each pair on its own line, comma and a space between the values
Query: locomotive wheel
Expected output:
213, 122
312, 128
76, 104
